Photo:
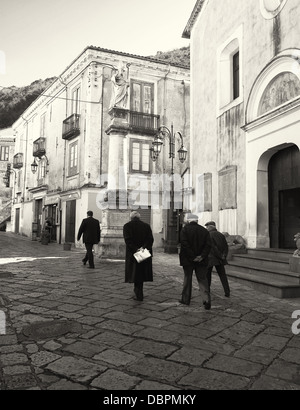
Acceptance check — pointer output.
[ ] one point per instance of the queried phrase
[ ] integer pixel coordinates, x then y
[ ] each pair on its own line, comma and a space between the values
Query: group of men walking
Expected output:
201, 249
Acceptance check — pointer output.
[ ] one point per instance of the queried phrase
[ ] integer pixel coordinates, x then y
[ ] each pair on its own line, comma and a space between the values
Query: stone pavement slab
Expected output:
71, 328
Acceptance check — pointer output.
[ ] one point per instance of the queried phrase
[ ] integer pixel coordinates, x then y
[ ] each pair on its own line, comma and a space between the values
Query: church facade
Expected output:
245, 118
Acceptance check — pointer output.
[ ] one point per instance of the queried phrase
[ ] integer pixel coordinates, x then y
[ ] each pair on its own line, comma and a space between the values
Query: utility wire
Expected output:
59, 98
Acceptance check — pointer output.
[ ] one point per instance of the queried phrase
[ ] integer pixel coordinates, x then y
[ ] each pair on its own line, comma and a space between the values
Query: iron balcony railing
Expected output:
39, 147
18, 161
71, 127
143, 123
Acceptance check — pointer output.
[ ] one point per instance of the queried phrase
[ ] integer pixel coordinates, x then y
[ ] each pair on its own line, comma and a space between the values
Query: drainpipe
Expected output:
102, 109
64, 165
25, 164
165, 93
184, 105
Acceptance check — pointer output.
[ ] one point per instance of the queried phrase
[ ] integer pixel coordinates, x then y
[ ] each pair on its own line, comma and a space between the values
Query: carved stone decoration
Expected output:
297, 240
283, 88
271, 8
228, 188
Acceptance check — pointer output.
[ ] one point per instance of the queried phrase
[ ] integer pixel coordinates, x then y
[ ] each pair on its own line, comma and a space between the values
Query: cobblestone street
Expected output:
71, 328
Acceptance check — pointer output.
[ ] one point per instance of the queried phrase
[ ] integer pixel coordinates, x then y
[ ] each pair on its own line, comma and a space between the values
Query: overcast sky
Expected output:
40, 38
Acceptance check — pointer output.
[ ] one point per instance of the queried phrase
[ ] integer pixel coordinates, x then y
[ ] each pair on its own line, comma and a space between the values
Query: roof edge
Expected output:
195, 13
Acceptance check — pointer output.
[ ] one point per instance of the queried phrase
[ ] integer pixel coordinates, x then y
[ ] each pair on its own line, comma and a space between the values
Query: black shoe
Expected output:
136, 298
91, 267
227, 295
207, 305
183, 303
84, 261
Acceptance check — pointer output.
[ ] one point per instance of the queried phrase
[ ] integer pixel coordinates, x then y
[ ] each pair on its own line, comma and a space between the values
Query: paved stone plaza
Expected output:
68, 327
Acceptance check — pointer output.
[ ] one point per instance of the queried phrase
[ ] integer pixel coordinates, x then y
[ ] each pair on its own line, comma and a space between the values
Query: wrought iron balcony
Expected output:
39, 147
18, 161
71, 127
143, 123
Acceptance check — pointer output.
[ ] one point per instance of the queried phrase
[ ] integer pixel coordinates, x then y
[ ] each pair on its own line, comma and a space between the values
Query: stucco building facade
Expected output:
7, 143
76, 143
245, 118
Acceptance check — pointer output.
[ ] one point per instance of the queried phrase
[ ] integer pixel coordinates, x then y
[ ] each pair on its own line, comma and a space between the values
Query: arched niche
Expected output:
283, 88
277, 85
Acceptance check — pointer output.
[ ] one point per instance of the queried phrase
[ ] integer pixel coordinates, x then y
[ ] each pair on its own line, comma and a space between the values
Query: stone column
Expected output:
117, 214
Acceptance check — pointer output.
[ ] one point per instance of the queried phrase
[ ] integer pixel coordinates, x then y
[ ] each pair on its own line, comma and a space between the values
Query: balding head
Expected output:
135, 215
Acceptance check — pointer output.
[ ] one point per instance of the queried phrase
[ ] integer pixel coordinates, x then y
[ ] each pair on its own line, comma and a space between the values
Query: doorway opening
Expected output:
284, 197
70, 221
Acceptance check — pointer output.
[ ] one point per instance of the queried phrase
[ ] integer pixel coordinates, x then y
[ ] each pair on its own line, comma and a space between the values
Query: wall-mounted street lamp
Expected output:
34, 165
172, 239
6, 177
165, 132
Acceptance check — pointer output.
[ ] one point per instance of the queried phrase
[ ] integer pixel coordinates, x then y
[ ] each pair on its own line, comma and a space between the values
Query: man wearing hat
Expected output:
195, 247
217, 256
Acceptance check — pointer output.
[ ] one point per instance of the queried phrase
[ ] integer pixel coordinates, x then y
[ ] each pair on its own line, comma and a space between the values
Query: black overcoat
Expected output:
90, 229
194, 241
137, 234
219, 249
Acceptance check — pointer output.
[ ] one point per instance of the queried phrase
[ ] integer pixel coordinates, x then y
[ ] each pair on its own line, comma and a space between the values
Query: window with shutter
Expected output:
140, 156
142, 97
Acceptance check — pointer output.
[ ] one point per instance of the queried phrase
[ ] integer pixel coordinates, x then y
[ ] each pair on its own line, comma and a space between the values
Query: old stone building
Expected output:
245, 132
87, 139
7, 143
245, 128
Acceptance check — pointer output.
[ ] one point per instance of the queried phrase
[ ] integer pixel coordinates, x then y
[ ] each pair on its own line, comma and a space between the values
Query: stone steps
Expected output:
267, 271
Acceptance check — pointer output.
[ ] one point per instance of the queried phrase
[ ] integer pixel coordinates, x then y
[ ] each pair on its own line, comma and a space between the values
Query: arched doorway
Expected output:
284, 197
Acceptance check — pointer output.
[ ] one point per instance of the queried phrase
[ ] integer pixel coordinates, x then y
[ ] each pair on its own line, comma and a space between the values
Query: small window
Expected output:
230, 72
76, 101
4, 153
19, 178
43, 125
236, 75
73, 158
142, 97
140, 156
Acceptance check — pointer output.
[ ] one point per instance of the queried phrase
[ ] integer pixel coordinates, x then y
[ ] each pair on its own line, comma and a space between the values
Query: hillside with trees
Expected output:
179, 56
15, 100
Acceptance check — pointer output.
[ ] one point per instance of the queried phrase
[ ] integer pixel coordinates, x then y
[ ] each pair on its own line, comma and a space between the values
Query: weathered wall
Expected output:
217, 137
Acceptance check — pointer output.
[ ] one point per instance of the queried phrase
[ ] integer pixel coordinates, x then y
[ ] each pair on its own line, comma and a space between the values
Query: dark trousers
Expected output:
89, 256
201, 275
222, 275
138, 290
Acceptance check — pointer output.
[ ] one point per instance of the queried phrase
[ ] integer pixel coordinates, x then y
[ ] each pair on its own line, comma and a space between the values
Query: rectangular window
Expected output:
19, 179
140, 156
76, 101
43, 125
73, 158
4, 153
142, 97
236, 75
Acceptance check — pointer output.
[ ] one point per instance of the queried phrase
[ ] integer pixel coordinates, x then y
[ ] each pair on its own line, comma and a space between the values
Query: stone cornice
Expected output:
295, 104
38, 189
195, 13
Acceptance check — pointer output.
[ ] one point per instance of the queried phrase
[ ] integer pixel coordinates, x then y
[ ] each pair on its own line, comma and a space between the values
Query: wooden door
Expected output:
289, 217
284, 202
38, 216
70, 221
17, 221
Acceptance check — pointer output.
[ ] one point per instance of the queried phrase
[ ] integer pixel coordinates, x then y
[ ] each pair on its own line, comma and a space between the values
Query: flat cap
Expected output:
192, 217
210, 223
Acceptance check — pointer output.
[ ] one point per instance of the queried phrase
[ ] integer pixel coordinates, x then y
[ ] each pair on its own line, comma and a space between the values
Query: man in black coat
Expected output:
218, 256
90, 229
137, 234
195, 247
